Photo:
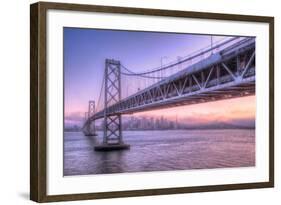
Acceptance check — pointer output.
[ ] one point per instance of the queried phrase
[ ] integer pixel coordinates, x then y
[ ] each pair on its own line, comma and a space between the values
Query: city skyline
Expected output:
197, 114
143, 122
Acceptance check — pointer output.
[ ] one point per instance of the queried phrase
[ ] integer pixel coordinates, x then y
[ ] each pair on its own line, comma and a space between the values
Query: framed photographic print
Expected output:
134, 102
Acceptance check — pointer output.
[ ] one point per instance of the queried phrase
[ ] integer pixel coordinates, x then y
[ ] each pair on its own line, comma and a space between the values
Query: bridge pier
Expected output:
112, 137
89, 130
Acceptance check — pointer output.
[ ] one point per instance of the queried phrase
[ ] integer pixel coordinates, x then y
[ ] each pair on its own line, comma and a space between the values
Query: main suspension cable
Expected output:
174, 63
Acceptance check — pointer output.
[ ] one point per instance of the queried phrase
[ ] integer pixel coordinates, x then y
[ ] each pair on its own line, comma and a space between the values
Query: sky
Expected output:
85, 51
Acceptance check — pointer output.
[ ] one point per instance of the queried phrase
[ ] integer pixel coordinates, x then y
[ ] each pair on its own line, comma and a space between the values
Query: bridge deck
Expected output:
227, 74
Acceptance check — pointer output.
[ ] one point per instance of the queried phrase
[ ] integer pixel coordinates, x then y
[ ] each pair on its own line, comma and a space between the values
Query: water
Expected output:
161, 151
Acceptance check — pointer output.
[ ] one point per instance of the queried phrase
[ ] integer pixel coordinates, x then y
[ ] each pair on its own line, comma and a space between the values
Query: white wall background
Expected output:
14, 101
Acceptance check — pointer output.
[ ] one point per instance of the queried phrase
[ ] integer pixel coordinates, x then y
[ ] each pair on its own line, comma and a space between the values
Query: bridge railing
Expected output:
203, 53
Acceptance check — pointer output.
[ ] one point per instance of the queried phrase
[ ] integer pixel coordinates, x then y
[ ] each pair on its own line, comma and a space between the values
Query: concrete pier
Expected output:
91, 135
111, 147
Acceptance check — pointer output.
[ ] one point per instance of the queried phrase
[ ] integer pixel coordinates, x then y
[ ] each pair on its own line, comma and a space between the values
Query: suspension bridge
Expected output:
223, 70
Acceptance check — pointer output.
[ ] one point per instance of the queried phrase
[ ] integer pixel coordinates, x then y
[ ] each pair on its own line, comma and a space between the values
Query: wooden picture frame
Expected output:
38, 100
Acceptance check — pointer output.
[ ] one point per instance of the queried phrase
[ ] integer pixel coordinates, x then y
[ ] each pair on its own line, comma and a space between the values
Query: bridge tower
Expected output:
112, 137
89, 129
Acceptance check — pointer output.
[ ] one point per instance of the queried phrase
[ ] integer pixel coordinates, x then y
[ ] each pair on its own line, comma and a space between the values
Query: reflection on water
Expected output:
161, 151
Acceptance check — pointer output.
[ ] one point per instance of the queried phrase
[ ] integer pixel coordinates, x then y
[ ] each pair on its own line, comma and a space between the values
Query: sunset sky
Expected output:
85, 51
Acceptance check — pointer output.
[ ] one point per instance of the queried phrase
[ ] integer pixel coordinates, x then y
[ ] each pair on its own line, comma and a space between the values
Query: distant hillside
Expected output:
219, 125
